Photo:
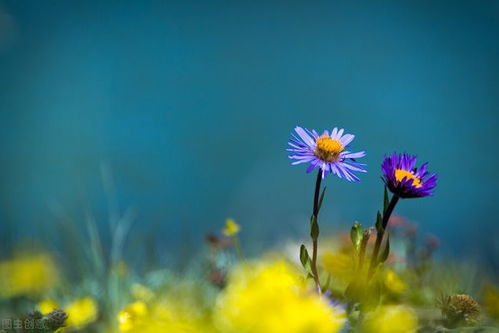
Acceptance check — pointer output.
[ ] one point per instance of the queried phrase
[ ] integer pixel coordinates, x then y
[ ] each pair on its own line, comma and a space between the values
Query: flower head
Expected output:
393, 282
47, 306
81, 312
404, 179
460, 309
272, 296
391, 319
131, 316
231, 228
56, 319
327, 152
27, 275
51, 322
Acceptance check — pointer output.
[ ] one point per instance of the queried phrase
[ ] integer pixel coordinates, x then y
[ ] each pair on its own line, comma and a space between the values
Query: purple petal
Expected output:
304, 136
346, 139
354, 155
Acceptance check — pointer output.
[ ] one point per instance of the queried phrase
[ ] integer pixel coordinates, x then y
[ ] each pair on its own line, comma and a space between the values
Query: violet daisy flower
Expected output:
327, 152
404, 179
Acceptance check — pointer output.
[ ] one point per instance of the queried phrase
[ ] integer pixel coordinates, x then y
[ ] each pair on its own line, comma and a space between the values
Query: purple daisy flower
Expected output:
406, 181
327, 152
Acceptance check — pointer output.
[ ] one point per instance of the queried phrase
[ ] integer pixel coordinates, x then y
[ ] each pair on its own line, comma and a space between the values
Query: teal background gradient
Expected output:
190, 104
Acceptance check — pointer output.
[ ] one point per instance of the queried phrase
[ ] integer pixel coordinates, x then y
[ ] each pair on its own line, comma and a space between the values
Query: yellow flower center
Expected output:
401, 174
328, 149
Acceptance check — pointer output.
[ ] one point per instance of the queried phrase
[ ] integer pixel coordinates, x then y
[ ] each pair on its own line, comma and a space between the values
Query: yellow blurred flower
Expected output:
341, 266
47, 305
132, 316
169, 317
173, 317
491, 300
81, 312
393, 282
391, 319
273, 297
27, 275
231, 228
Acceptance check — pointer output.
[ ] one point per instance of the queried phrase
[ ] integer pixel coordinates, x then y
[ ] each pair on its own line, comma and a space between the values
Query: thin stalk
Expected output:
315, 213
381, 233
237, 245
317, 192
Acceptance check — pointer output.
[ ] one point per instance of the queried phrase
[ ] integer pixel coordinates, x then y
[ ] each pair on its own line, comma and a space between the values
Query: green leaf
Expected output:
386, 250
356, 235
386, 201
379, 223
314, 227
305, 260
321, 198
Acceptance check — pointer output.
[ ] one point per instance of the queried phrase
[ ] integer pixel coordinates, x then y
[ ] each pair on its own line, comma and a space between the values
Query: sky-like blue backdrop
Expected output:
191, 103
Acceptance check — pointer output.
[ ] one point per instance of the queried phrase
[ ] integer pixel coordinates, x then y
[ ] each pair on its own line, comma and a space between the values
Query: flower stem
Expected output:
317, 191
315, 237
381, 233
237, 245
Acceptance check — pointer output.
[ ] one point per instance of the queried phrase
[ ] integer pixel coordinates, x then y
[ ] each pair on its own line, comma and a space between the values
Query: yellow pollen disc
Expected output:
401, 174
328, 149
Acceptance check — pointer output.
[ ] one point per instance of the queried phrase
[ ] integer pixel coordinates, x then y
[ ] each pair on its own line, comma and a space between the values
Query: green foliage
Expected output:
379, 223
356, 235
305, 260
386, 201
386, 250
314, 227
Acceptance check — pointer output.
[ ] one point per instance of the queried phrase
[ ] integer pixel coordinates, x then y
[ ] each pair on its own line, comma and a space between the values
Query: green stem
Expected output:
315, 213
381, 233
237, 245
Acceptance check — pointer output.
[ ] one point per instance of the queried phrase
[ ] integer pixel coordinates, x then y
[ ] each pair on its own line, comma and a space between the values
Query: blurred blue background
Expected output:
189, 106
